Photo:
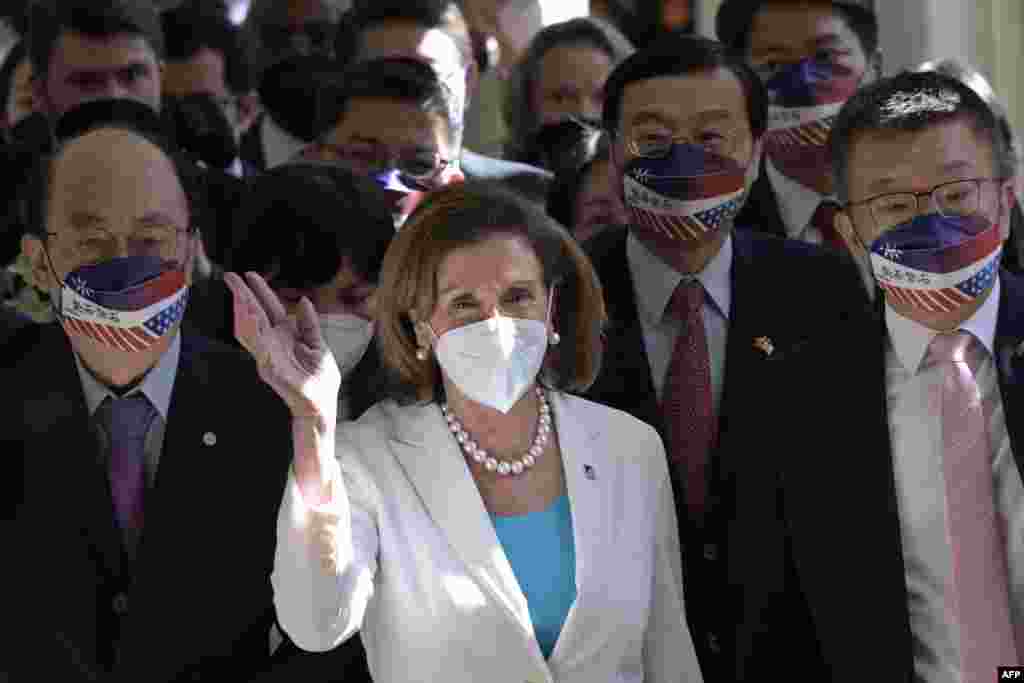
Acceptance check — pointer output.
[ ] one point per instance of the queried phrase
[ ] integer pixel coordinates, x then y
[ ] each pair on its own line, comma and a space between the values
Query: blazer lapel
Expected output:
1010, 360
588, 471
434, 464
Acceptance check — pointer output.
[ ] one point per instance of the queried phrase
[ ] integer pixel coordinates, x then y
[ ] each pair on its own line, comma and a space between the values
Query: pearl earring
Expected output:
421, 354
555, 338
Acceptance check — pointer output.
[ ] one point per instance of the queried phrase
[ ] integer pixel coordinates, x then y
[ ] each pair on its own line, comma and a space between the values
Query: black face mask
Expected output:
202, 129
564, 146
291, 91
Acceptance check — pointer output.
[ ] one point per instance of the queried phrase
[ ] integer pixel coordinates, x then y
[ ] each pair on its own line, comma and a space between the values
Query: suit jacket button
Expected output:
120, 604
710, 552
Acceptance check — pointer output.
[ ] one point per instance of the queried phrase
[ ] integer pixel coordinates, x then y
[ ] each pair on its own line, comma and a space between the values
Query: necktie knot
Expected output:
687, 299
127, 417
950, 348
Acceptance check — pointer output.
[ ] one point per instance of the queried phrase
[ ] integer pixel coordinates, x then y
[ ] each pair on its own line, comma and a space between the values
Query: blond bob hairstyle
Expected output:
469, 213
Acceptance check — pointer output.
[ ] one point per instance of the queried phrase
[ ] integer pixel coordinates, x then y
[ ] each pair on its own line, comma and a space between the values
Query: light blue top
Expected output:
541, 550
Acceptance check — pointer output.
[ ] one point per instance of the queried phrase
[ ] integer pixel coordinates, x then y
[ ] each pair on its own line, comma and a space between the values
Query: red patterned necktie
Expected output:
824, 219
690, 423
978, 596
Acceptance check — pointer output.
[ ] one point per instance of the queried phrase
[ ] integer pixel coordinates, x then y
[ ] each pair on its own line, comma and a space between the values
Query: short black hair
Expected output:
127, 115
681, 55
399, 78
50, 19
444, 15
561, 200
914, 101
199, 24
735, 19
302, 222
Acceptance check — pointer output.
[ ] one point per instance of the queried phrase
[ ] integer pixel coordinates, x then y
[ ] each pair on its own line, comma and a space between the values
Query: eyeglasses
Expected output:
958, 198
421, 166
723, 139
93, 245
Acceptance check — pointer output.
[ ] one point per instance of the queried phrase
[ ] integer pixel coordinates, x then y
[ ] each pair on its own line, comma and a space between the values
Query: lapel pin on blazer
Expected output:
210, 439
589, 473
764, 345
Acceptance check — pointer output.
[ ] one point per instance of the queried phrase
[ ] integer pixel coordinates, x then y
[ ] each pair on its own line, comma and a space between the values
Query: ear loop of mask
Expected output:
58, 308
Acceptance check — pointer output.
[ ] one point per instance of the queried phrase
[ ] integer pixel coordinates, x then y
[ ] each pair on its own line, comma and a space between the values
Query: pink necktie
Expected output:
690, 424
980, 589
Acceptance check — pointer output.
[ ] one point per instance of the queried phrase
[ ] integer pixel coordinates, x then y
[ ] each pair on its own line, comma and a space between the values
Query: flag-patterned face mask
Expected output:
126, 303
936, 263
685, 196
805, 99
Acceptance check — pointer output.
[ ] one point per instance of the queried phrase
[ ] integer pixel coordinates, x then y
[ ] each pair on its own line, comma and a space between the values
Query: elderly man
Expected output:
135, 552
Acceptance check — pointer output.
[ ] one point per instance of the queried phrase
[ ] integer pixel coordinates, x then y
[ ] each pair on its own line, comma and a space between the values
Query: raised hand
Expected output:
290, 352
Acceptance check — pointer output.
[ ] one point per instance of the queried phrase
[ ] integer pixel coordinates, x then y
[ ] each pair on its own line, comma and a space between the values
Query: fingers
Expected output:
249, 317
308, 324
267, 299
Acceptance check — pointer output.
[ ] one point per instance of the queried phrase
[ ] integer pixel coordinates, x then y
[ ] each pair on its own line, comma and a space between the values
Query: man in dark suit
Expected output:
902, 495
811, 56
143, 483
435, 32
10, 322
699, 312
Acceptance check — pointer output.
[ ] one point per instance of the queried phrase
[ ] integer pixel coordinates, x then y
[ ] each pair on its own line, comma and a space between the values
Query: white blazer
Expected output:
420, 571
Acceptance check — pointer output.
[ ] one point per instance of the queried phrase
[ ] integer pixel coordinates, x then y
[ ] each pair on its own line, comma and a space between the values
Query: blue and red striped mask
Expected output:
126, 303
805, 99
686, 196
938, 264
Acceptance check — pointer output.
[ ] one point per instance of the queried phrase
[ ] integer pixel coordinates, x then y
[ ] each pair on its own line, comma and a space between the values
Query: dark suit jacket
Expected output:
10, 322
791, 292
196, 603
761, 209
838, 555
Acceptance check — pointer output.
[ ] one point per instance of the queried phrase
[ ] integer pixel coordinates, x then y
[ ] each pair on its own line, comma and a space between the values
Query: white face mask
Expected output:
347, 336
494, 361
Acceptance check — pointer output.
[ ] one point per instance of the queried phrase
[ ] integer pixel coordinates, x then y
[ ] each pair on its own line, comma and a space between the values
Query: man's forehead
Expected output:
80, 51
111, 156
777, 21
670, 95
389, 121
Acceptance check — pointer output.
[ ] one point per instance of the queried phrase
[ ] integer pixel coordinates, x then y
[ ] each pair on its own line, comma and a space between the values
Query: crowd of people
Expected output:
711, 377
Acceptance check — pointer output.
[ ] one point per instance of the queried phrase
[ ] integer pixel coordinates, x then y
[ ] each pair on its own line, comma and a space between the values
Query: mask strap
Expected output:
58, 308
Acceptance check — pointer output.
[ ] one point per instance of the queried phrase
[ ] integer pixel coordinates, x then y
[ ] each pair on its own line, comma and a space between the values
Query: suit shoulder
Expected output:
611, 420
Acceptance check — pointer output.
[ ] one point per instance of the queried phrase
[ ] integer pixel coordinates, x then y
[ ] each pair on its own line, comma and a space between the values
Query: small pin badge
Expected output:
210, 439
589, 473
764, 345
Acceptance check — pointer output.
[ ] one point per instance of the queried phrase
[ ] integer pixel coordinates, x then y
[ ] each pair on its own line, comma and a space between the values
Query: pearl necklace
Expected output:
492, 464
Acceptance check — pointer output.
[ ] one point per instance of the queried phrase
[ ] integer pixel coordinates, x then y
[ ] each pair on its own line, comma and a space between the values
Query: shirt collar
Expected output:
279, 146
156, 385
655, 280
797, 203
911, 339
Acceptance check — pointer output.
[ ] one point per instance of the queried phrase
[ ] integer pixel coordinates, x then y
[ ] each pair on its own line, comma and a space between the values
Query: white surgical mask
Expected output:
494, 361
347, 336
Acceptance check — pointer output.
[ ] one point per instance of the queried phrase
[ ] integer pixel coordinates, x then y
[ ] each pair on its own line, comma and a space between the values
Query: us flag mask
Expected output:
126, 303
685, 196
937, 263
805, 99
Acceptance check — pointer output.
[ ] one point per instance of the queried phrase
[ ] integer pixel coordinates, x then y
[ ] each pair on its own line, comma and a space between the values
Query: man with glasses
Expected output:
811, 55
135, 526
210, 75
392, 120
700, 314
903, 499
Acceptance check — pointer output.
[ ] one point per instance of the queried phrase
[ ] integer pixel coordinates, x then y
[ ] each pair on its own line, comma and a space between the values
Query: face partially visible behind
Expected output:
570, 82
204, 73
893, 161
85, 68
297, 27
706, 108
599, 202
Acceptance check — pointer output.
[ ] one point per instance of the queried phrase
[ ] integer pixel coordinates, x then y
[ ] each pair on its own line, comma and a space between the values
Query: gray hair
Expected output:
518, 105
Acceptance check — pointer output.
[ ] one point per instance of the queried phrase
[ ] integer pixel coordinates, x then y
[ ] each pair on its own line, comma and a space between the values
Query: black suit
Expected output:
761, 208
794, 294
10, 322
840, 549
196, 603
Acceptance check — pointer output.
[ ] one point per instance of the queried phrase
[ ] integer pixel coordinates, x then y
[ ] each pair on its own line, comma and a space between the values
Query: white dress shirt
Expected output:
797, 204
916, 437
654, 281
419, 569
279, 146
